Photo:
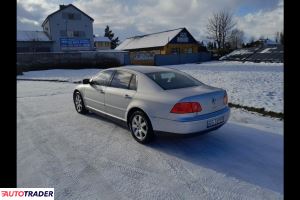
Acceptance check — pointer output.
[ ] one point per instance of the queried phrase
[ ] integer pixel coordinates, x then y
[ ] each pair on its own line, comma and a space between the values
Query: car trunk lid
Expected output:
210, 98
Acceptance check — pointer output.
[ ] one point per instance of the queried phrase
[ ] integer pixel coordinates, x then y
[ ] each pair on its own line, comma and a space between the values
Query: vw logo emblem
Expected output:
213, 101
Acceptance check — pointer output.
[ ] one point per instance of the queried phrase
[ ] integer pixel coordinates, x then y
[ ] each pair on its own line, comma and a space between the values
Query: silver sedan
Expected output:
153, 99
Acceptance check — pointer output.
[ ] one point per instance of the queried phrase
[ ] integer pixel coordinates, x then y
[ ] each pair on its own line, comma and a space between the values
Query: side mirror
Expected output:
86, 81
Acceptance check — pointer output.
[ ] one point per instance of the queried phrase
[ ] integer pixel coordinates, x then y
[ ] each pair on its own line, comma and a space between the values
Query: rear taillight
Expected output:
225, 100
186, 107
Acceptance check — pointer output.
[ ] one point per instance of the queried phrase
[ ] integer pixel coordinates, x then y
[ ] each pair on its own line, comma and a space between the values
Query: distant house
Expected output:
144, 48
102, 43
33, 41
70, 29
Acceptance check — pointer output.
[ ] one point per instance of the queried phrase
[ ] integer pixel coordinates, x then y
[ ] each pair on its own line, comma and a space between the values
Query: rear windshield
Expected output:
169, 80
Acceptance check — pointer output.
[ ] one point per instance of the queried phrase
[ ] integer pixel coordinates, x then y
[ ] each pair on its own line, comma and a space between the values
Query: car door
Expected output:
119, 93
95, 93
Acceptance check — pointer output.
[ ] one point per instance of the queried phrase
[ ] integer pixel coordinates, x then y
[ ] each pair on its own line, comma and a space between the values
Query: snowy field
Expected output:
89, 157
258, 85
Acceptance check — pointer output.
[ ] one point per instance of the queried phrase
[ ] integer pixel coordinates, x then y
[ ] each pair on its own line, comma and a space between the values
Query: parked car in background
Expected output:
153, 99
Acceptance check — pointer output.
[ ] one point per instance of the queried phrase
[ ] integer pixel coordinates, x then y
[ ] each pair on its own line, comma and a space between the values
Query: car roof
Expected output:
144, 69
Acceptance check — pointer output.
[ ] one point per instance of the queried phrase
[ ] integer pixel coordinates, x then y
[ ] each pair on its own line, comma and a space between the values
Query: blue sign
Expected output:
74, 44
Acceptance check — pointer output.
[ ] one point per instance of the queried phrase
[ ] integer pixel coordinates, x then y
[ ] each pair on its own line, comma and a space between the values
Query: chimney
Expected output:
62, 6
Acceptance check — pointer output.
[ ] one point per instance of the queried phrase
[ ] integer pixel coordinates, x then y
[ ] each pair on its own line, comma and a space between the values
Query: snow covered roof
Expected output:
101, 39
257, 54
32, 36
150, 40
267, 50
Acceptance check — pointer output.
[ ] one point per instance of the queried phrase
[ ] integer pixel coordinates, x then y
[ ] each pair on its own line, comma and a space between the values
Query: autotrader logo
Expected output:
27, 193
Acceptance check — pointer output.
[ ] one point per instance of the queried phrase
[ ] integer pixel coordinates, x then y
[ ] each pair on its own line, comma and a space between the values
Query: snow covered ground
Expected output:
89, 157
258, 85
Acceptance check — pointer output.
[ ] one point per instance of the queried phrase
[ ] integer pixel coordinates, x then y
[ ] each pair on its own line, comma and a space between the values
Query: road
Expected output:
89, 157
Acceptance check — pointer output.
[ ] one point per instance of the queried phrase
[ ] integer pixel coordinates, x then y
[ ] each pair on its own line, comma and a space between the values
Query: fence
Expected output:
181, 58
83, 59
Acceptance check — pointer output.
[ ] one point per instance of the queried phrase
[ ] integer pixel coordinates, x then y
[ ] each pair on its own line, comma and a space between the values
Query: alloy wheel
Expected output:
78, 102
139, 127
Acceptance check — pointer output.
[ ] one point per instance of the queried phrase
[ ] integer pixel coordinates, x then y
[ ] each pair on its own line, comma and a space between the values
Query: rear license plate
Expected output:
214, 122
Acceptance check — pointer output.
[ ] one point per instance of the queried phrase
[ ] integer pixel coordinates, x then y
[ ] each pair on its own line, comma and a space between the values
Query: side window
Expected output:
132, 85
103, 78
121, 79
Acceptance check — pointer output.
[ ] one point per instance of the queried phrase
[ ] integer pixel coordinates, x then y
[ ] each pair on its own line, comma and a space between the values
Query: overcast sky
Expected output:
132, 17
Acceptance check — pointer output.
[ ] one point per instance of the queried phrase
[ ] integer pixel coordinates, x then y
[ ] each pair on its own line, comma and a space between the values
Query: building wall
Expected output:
102, 45
34, 46
147, 56
144, 57
59, 24
182, 48
46, 28
83, 59
173, 59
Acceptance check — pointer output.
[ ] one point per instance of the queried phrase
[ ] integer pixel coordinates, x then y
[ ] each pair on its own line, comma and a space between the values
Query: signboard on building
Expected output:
145, 55
74, 44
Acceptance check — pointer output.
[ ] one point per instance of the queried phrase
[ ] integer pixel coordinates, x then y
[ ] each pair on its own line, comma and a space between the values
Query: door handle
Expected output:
127, 96
102, 91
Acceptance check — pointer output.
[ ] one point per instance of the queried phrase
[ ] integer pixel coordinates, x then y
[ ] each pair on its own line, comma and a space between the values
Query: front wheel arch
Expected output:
84, 110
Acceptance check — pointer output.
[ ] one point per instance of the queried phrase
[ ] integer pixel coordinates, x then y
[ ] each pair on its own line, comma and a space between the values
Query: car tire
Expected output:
140, 127
79, 104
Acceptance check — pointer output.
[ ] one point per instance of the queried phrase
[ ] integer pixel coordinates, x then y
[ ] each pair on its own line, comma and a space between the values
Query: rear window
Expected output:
169, 80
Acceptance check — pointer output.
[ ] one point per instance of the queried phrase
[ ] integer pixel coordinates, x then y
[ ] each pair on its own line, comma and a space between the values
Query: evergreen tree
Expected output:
202, 47
210, 45
115, 43
110, 35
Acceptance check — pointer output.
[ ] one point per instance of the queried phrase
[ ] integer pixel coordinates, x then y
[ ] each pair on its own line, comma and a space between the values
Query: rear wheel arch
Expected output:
140, 125
132, 110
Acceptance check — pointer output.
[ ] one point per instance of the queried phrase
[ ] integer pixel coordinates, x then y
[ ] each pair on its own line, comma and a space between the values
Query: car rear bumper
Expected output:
190, 125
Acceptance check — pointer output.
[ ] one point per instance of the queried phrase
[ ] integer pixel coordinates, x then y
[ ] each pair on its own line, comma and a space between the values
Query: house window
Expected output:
71, 16
188, 50
70, 33
76, 33
63, 33
175, 50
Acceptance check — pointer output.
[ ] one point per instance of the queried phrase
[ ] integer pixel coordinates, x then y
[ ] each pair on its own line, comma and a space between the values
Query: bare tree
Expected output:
236, 38
281, 38
219, 27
